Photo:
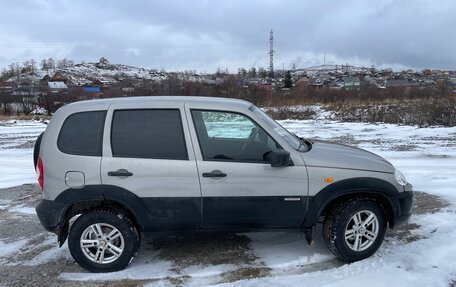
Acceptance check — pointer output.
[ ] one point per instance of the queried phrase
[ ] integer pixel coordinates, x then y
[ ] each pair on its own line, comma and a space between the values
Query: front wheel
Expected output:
355, 229
103, 241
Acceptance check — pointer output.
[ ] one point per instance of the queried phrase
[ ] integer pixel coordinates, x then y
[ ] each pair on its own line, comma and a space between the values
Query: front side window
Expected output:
229, 136
82, 133
153, 133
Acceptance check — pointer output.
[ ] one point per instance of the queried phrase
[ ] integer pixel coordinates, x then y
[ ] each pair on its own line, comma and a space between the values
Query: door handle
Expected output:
120, 173
214, 173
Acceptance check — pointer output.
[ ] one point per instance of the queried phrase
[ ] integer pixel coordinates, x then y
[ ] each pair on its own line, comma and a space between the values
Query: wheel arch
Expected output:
373, 188
100, 197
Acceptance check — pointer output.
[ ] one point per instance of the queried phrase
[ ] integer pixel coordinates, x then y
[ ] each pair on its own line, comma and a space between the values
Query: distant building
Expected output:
59, 77
351, 82
84, 93
101, 83
56, 87
7, 86
400, 83
316, 82
46, 78
128, 89
302, 82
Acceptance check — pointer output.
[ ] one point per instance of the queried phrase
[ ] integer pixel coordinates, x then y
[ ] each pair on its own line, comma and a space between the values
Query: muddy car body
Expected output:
122, 167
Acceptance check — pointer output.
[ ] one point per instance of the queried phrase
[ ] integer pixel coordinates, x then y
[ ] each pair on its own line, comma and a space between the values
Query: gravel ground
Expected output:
27, 264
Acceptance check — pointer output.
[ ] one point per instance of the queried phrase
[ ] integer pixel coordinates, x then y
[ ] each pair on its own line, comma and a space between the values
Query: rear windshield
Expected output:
82, 133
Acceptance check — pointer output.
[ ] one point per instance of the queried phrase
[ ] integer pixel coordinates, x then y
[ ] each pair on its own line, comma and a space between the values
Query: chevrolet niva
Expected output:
113, 169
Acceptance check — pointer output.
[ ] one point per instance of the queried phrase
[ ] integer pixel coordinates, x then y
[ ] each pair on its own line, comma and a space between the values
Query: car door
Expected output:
240, 189
147, 153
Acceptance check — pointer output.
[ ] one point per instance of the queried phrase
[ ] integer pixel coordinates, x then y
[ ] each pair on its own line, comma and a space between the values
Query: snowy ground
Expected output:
420, 254
16, 151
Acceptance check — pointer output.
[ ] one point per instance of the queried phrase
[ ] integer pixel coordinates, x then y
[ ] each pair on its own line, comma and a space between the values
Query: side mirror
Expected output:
278, 158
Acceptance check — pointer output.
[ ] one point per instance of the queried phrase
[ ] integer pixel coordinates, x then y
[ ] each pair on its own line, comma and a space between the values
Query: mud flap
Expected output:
308, 235
62, 234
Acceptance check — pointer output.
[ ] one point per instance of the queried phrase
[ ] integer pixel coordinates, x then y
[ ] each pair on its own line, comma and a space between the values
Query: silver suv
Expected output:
116, 168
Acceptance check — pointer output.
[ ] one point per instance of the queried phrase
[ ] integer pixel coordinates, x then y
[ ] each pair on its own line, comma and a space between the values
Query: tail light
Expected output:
40, 173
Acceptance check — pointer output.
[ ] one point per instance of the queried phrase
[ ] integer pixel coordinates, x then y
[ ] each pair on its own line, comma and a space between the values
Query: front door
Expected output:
146, 153
240, 189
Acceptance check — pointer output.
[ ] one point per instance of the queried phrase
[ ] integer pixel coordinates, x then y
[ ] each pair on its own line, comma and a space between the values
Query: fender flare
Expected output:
353, 186
101, 193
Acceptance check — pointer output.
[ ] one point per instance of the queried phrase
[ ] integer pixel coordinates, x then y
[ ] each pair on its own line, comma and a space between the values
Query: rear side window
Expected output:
82, 133
156, 133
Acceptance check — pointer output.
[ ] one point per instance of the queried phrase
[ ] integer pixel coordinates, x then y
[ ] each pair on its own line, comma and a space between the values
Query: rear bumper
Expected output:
49, 213
404, 203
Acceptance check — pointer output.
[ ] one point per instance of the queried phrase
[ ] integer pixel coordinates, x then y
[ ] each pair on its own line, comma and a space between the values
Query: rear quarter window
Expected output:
82, 134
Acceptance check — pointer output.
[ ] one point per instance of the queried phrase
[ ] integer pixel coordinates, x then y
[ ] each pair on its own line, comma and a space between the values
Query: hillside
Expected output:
86, 73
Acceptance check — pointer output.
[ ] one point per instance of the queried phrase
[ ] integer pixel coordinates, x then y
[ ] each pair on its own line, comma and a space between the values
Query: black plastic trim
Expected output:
50, 213
88, 192
254, 212
405, 202
151, 213
362, 185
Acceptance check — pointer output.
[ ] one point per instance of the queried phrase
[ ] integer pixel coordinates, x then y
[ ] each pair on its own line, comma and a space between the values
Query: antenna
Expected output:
324, 58
271, 54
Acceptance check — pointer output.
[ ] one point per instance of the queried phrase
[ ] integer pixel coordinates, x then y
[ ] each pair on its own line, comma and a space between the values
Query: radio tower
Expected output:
271, 54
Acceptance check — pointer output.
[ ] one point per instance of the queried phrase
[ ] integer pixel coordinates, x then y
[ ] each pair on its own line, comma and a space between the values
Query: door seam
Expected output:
196, 164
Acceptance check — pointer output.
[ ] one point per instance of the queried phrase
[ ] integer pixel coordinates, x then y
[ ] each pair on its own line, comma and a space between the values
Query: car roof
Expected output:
162, 99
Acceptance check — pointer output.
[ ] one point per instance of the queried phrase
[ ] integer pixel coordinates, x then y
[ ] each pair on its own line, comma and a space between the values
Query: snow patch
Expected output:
22, 209
50, 254
7, 249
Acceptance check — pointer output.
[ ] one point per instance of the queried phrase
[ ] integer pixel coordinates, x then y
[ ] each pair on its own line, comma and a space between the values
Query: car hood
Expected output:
326, 154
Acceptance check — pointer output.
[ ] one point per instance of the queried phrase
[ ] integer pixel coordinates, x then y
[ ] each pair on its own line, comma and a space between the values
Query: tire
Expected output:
103, 254
36, 149
346, 236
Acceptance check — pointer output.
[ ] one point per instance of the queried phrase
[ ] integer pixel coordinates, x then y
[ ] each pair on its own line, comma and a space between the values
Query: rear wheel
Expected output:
355, 229
103, 241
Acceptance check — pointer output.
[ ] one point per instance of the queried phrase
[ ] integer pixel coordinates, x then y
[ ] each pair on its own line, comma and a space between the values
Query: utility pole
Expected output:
271, 54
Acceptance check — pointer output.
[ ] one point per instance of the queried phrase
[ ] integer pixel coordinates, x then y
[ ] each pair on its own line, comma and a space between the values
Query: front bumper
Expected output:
50, 213
404, 203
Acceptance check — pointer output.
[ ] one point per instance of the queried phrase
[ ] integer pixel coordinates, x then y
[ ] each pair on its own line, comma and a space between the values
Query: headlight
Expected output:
400, 177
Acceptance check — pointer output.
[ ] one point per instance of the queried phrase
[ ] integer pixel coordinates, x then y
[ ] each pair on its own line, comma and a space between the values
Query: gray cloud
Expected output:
205, 35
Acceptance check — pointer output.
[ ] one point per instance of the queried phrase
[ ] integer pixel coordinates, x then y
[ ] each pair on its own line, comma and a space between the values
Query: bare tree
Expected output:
44, 65
33, 65
252, 72
51, 64
6, 101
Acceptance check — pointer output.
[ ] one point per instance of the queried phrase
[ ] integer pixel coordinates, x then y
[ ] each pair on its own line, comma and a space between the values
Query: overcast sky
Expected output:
205, 35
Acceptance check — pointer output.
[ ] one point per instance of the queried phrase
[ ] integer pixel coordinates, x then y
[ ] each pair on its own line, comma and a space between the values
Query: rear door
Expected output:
147, 153
240, 189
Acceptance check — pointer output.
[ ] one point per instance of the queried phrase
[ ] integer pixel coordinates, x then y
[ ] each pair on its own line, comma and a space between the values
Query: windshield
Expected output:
290, 138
